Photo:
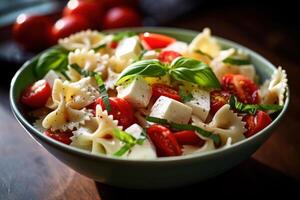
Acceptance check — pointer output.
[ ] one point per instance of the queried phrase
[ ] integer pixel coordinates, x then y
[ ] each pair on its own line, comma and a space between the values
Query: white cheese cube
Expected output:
129, 48
152, 54
135, 130
180, 47
144, 151
51, 76
138, 92
200, 103
171, 110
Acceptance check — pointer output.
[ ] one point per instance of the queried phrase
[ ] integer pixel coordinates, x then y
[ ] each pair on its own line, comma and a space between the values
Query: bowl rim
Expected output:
80, 152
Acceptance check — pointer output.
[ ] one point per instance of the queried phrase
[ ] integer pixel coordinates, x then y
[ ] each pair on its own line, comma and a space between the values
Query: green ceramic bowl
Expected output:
148, 174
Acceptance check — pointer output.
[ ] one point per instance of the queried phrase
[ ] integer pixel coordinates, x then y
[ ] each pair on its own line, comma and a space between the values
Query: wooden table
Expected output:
27, 171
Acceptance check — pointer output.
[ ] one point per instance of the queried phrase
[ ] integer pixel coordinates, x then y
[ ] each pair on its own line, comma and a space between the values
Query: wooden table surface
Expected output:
27, 171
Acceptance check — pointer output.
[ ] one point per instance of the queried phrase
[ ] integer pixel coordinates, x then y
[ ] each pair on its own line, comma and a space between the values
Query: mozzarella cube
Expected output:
171, 110
129, 48
144, 151
135, 130
180, 47
138, 92
50, 77
152, 54
200, 103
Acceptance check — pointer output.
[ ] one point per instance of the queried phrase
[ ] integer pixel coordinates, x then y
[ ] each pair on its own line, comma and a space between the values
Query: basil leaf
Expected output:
182, 127
252, 108
184, 96
121, 35
55, 59
150, 68
203, 53
101, 46
191, 70
236, 61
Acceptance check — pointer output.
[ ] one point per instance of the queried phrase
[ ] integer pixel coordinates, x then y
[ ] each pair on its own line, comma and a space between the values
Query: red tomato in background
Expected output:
60, 136
155, 41
118, 17
218, 98
33, 32
257, 122
114, 3
164, 141
36, 95
168, 56
188, 138
68, 25
241, 86
159, 89
120, 109
92, 11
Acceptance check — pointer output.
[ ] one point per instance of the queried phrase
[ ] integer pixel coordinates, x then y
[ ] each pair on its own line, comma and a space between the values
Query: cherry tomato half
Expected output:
33, 32
168, 56
118, 17
164, 141
68, 25
257, 122
36, 95
188, 138
92, 11
61, 136
218, 98
241, 86
155, 41
121, 110
159, 89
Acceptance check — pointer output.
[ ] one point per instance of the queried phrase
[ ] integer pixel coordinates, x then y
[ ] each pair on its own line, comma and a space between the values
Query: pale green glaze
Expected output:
159, 173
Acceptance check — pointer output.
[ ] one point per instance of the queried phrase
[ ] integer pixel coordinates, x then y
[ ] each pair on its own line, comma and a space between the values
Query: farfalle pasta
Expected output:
148, 95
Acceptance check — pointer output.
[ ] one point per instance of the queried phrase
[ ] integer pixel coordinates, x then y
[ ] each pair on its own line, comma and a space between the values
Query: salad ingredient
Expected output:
128, 48
122, 16
189, 138
61, 136
236, 61
218, 98
33, 33
164, 141
36, 95
135, 130
138, 92
159, 89
171, 110
200, 103
257, 122
155, 41
168, 56
244, 88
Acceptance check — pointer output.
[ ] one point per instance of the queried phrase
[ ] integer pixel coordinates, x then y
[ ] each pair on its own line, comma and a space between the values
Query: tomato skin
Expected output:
257, 122
118, 17
33, 33
244, 88
36, 95
168, 56
67, 25
93, 11
218, 98
188, 138
113, 45
120, 109
159, 89
114, 3
155, 41
60, 136
164, 141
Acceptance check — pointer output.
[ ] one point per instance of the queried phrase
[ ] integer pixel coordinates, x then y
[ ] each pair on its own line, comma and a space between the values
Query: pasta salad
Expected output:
148, 95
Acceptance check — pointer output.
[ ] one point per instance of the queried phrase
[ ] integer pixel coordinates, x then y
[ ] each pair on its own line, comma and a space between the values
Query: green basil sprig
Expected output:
185, 96
183, 127
129, 141
55, 59
236, 61
252, 108
181, 69
122, 35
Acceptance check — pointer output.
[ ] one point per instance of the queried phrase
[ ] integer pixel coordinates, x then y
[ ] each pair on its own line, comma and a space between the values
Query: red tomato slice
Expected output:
113, 45
36, 95
60, 136
218, 98
121, 110
188, 138
164, 141
168, 56
68, 25
241, 86
155, 41
118, 17
93, 11
257, 122
33, 32
159, 89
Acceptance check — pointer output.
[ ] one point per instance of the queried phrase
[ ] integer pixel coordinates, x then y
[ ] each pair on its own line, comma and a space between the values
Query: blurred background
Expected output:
270, 28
